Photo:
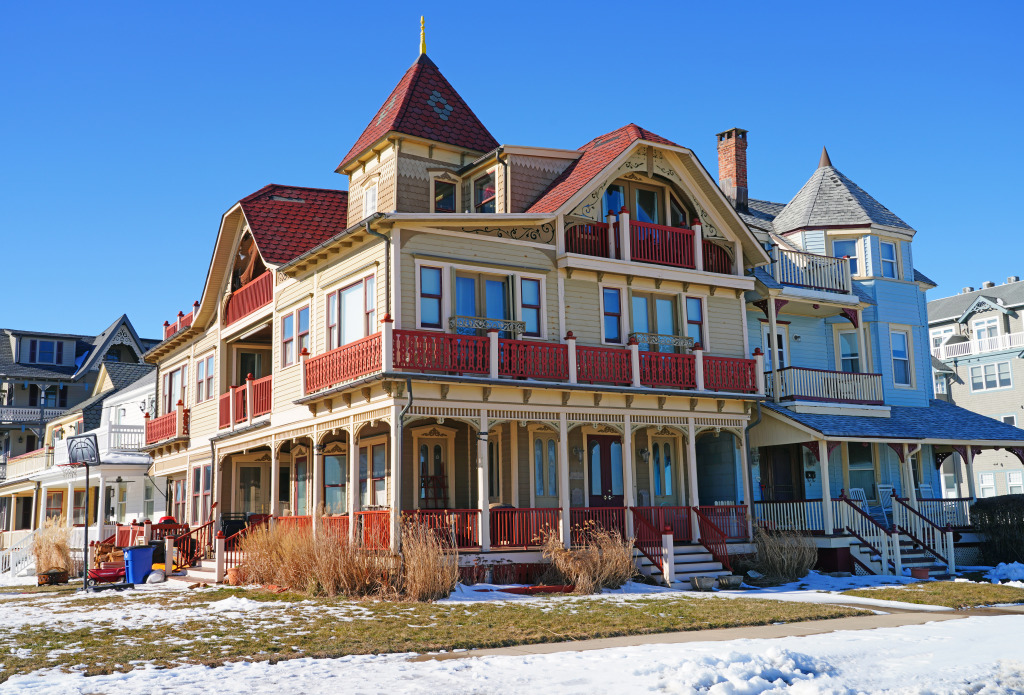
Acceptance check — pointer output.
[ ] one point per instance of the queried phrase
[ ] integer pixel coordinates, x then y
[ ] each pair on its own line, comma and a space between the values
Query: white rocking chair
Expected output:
924, 492
885, 493
859, 498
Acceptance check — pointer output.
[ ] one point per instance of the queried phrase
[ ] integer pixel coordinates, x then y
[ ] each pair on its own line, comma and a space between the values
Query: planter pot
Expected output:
52, 577
233, 577
919, 573
702, 583
730, 581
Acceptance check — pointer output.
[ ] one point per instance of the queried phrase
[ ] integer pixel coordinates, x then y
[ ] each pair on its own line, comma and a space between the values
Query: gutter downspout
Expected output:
387, 265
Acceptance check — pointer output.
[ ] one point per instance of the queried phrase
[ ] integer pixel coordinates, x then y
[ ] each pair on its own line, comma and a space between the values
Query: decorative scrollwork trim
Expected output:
486, 324
661, 339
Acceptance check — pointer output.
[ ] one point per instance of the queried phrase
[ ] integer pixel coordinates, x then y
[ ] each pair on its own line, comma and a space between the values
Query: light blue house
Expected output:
842, 319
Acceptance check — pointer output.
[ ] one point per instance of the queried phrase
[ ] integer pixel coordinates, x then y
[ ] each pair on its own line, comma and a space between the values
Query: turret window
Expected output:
846, 247
484, 193
888, 259
444, 196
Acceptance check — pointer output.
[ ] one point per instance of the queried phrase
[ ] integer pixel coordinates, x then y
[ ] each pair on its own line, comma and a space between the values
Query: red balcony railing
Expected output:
451, 353
655, 243
344, 363
250, 297
336, 526
295, 523
458, 527
224, 410
730, 518
166, 427
262, 395
716, 258
676, 518
668, 369
604, 365
592, 240
530, 359
522, 528
730, 374
584, 520
375, 529
238, 394
183, 321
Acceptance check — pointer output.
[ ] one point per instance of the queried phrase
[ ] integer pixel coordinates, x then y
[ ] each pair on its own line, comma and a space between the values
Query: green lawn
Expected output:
97, 638
950, 594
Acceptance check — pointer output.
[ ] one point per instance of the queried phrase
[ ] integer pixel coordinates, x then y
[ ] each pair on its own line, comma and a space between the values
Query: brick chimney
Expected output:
732, 166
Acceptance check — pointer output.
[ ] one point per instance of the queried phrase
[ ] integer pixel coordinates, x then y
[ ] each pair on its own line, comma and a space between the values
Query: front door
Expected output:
250, 492
781, 335
433, 464
780, 485
604, 458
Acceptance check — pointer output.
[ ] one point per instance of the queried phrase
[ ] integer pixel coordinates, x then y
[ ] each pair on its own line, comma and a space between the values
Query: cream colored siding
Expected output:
724, 325
583, 311
386, 173
413, 183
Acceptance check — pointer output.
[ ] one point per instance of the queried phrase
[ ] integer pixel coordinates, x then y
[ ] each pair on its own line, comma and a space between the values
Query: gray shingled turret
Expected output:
830, 199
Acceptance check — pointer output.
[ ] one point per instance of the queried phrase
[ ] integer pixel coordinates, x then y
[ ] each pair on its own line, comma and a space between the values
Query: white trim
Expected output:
909, 333
995, 365
625, 319
882, 260
449, 435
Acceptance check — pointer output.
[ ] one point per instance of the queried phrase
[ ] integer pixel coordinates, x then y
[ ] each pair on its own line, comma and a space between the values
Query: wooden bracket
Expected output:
527, 393
721, 405
693, 404
366, 391
486, 393
565, 397
662, 400
597, 399
444, 391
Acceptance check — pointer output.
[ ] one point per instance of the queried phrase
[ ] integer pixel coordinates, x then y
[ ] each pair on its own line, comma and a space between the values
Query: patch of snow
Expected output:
1006, 572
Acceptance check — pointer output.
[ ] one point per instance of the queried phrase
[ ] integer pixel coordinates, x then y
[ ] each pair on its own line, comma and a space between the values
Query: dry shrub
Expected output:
325, 563
430, 566
784, 556
51, 546
604, 560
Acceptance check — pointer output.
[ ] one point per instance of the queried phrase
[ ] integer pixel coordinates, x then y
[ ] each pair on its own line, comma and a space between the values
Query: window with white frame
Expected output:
939, 335
888, 250
902, 373
484, 193
174, 388
294, 335
351, 312
846, 247
545, 465
849, 351
431, 297
204, 378
46, 351
986, 485
445, 196
1010, 420
781, 340
373, 468
985, 328
989, 377
940, 382
1014, 483
611, 310
369, 200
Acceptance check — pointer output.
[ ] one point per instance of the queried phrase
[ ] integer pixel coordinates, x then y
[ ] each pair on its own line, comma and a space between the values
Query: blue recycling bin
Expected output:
138, 563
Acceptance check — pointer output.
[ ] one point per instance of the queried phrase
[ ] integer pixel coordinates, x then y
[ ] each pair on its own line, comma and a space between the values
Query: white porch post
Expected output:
971, 482
493, 352
563, 478
71, 505
513, 427
862, 344
625, 235
911, 493
570, 340
101, 504
958, 476
691, 468
483, 481
396, 478
628, 474
826, 490
773, 347
698, 245
318, 481
275, 480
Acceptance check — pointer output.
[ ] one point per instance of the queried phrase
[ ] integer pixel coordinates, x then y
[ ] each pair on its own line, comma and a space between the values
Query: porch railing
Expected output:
730, 518
193, 546
374, 529
730, 374
791, 515
585, 520
459, 527
952, 511
656, 243
668, 369
713, 538
250, 297
451, 353
298, 523
676, 518
716, 258
344, 363
172, 425
802, 383
934, 539
24, 414
336, 525
531, 359
603, 365
871, 534
800, 269
1007, 341
648, 539
592, 240
523, 528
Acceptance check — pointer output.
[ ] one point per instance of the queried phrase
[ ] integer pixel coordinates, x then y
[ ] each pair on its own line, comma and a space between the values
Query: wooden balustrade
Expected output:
350, 361
952, 511
871, 534
336, 525
530, 359
656, 243
592, 240
790, 515
238, 395
668, 369
965, 348
802, 383
296, 523
374, 529
459, 528
678, 519
801, 269
262, 395
603, 365
730, 374
716, 258
224, 410
730, 518
584, 520
647, 539
713, 538
250, 297
936, 540
192, 546
167, 426
523, 528
451, 353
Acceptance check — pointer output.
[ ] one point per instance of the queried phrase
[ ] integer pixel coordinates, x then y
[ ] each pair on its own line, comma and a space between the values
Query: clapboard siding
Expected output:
725, 326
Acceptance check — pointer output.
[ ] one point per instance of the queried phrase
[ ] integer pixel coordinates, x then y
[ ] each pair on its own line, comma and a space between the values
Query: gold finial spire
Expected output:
423, 37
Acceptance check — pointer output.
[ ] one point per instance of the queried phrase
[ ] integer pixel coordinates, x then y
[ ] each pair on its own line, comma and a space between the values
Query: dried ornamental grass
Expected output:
430, 566
604, 560
784, 555
51, 546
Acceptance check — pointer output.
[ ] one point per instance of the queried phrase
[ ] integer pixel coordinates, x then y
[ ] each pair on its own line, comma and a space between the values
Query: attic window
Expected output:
284, 199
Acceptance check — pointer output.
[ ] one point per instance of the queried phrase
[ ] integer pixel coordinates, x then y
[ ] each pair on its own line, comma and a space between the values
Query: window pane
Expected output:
1004, 373
901, 372
304, 320
444, 196
352, 313
595, 468
531, 317
657, 470
531, 292
287, 327
46, 351
379, 461
371, 293
552, 469
430, 311
977, 383
334, 470
424, 462
430, 281
483, 193
538, 466
613, 201
647, 206
334, 500
641, 323
665, 315
465, 296
844, 247
694, 309
678, 218
899, 345
496, 295
616, 461
848, 351
300, 488
668, 469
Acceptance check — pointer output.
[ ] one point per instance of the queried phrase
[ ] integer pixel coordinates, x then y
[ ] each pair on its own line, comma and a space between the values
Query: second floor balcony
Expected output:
168, 427
255, 396
811, 271
249, 298
29, 414
979, 346
498, 357
110, 438
821, 385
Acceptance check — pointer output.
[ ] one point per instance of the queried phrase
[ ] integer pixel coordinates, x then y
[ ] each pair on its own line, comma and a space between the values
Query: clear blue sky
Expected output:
129, 128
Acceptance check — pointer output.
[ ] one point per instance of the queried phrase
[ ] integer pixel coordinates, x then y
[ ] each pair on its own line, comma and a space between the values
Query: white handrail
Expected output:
922, 530
977, 346
795, 515
14, 559
856, 521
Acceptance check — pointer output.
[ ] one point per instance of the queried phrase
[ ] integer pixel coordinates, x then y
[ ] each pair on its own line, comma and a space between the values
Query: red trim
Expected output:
249, 298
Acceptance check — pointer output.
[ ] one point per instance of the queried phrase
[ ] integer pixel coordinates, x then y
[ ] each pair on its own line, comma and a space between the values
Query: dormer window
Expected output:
45, 352
846, 247
370, 200
484, 193
444, 196
888, 259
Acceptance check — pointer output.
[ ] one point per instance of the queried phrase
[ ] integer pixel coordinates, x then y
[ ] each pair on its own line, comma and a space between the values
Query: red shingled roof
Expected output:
425, 105
287, 221
597, 154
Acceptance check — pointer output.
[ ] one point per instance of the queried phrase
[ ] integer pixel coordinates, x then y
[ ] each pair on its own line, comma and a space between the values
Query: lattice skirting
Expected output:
968, 555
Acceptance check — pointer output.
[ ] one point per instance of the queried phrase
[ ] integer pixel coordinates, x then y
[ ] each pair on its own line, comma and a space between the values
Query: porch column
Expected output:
71, 504
691, 468
396, 478
563, 478
101, 510
773, 331
353, 482
317, 501
482, 473
275, 480
911, 492
748, 494
627, 472
971, 482
513, 428
958, 476
862, 344
826, 490
902, 468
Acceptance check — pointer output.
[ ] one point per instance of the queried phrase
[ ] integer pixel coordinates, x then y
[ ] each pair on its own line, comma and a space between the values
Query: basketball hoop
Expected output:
83, 451
70, 471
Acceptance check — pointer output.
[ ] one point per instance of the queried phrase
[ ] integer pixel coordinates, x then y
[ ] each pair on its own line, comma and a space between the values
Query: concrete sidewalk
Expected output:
810, 627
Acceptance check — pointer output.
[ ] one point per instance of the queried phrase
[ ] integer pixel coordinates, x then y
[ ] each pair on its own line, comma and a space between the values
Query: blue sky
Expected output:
129, 128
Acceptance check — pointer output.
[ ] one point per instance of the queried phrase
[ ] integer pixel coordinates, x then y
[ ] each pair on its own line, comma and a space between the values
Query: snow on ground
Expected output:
979, 655
1006, 572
